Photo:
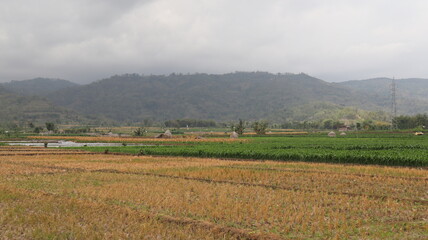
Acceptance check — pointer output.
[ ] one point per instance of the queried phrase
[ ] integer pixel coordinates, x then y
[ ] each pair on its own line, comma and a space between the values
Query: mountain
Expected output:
37, 86
246, 95
411, 93
131, 98
15, 108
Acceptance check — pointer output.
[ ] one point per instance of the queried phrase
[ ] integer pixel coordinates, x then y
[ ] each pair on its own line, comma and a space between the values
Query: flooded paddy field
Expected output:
65, 144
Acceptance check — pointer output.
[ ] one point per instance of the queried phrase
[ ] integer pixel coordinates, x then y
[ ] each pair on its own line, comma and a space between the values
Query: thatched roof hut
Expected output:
234, 135
166, 134
332, 134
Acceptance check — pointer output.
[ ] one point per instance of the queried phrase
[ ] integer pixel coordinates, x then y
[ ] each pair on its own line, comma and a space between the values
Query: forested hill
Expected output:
37, 86
2, 90
411, 93
256, 95
246, 95
16, 109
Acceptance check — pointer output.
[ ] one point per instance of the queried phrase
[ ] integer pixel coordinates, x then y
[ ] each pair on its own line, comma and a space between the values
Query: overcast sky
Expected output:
336, 40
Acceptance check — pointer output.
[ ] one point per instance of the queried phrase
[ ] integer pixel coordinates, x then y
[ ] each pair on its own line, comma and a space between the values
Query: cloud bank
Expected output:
336, 40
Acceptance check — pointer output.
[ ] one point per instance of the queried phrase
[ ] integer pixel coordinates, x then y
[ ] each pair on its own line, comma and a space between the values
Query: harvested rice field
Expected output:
69, 194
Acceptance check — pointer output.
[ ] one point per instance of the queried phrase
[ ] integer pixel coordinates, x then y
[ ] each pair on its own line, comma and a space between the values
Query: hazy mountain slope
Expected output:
37, 86
411, 94
251, 96
410, 87
18, 109
221, 97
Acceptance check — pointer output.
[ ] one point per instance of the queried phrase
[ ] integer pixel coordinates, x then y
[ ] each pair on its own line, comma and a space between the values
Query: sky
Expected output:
335, 40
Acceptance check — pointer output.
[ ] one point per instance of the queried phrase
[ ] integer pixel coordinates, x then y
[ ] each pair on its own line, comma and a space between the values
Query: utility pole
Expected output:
393, 102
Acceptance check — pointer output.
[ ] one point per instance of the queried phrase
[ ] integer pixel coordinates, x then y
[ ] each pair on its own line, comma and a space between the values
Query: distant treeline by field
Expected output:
417, 122
408, 122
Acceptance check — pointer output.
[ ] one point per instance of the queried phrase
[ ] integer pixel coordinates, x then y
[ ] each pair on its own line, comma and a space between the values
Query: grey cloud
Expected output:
85, 40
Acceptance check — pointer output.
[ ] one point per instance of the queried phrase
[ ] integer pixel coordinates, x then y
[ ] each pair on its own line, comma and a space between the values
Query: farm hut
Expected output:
343, 134
166, 134
332, 134
419, 133
234, 135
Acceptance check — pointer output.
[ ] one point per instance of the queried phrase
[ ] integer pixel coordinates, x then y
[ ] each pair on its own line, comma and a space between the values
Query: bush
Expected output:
260, 127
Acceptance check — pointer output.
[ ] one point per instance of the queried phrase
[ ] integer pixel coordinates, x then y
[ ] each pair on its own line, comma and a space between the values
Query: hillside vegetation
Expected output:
412, 93
16, 109
224, 97
37, 86
278, 98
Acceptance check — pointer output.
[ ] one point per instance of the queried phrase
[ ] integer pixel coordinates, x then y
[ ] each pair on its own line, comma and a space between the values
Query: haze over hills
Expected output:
17, 109
37, 86
406, 88
252, 96
412, 93
222, 97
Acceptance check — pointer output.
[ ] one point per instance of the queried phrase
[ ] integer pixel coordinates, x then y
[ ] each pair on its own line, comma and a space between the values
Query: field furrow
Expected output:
328, 172
203, 198
92, 220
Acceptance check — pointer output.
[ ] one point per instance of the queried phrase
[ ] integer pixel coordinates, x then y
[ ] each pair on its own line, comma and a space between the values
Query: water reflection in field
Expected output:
66, 144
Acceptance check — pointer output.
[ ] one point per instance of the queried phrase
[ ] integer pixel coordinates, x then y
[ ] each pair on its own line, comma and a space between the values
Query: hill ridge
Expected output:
37, 86
250, 95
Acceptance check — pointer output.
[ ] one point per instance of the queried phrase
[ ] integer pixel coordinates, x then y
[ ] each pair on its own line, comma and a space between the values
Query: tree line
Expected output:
409, 122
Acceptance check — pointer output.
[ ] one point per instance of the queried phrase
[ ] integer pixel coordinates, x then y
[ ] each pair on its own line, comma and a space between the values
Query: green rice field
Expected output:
388, 149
